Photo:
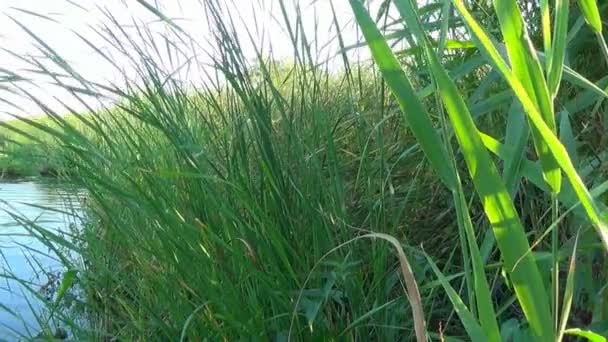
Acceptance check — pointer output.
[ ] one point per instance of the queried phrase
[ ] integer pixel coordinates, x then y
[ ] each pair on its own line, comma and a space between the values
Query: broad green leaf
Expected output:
589, 335
545, 13
459, 44
591, 14
382, 53
516, 136
527, 69
67, 281
498, 206
557, 149
449, 44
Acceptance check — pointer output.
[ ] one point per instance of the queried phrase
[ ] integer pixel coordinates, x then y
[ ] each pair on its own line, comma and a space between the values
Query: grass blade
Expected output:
466, 317
498, 206
589, 335
545, 13
566, 136
527, 69
553, 143
558, 49
568, 292
517, 136
592, 14
485, 308
412, 109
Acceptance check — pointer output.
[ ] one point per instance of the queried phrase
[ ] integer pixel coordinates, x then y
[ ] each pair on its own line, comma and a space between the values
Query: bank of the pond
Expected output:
29, 160
15, 175
26, 162
28, 151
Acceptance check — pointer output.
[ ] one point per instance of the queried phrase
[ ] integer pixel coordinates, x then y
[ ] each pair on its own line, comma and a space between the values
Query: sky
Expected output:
57, 21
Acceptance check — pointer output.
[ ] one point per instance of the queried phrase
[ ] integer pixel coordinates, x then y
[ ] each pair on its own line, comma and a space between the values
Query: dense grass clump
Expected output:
283, 200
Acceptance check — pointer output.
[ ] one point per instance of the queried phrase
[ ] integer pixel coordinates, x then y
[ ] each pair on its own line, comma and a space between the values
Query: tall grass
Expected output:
525, 77
268, 202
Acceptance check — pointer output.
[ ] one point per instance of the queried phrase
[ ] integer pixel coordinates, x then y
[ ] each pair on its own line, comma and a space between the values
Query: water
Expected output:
23, 255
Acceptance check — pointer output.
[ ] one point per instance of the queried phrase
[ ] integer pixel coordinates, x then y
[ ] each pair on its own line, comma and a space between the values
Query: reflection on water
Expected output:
23, 255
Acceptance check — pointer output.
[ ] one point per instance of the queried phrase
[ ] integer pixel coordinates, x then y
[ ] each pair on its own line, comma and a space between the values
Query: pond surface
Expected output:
25, 257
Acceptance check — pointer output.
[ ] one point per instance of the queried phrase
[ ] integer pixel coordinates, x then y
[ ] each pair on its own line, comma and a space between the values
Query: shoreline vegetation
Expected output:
29, 153
16, 173
434, 192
